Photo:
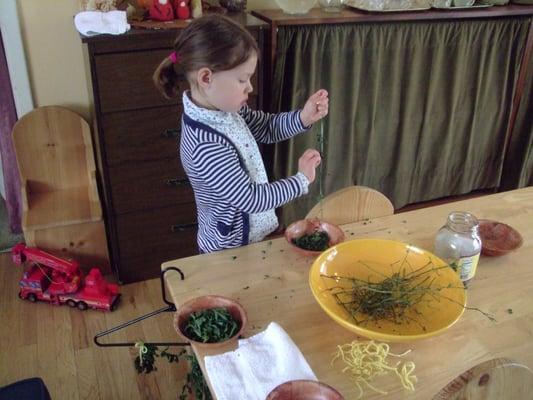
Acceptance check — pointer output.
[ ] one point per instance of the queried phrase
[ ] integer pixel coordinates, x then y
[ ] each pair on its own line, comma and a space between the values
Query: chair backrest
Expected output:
495, 379
54, 149
352, 204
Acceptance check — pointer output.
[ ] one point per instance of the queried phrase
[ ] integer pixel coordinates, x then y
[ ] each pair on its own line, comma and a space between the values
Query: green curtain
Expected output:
518, 166
418, 110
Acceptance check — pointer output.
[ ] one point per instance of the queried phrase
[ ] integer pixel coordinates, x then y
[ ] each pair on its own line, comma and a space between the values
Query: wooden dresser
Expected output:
148, 203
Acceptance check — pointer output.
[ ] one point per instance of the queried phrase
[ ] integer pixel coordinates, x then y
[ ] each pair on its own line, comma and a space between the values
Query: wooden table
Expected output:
271, 281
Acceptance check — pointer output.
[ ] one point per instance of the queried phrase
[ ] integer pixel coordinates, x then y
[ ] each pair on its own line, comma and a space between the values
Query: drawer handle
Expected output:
171, 133
182, 227
176, 182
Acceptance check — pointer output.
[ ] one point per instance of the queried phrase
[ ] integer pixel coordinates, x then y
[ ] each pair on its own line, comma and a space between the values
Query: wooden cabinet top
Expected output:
243, 19
351, 15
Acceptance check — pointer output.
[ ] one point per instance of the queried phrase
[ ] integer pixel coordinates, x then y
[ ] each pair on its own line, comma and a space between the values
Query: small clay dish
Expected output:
181, 317
307, 227
497, 238
304, 390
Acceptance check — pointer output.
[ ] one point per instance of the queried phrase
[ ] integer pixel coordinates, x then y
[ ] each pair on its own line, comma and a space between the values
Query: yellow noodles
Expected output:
366, 360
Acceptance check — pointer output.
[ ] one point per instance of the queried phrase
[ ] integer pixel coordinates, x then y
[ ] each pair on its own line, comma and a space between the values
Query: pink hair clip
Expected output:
173, 57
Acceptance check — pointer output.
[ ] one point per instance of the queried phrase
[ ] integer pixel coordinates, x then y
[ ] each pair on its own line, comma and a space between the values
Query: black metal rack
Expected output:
171, 307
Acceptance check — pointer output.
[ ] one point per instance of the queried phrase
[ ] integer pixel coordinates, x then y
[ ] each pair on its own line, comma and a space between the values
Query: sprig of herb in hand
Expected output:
211, 326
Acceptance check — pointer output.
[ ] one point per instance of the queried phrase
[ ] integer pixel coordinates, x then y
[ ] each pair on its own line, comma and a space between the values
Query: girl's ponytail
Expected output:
166, 78
213, 41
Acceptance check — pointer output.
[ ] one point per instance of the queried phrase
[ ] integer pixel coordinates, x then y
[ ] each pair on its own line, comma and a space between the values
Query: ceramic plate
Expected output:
463, 8
498, 238
360, 6
373, 260
388, 11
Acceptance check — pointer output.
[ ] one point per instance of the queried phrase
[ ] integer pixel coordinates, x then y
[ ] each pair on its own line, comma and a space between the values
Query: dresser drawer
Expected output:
149, 184
147, 239
134, 136
125, 80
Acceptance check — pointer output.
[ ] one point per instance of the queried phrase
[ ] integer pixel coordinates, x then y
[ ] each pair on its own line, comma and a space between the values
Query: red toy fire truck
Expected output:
58, 281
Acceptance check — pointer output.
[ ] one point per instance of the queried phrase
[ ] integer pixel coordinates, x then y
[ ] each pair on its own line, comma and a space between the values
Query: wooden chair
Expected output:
495, 379
352, 204
61, 208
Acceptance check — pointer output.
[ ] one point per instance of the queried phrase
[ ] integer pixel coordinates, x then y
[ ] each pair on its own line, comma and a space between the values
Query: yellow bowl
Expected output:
372, 260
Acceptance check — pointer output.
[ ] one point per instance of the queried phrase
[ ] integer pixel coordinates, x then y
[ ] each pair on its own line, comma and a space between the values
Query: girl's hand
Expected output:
315, 108
308, 162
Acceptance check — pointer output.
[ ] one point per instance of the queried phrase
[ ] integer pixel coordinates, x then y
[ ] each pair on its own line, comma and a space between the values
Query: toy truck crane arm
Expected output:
21, 253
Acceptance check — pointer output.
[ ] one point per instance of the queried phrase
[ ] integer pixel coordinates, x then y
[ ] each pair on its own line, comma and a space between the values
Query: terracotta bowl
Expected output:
497, 238
308, 226
203, 303
304, 390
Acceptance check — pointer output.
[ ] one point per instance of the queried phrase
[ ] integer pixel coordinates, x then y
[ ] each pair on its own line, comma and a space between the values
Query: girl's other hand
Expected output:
308, 163
315, 108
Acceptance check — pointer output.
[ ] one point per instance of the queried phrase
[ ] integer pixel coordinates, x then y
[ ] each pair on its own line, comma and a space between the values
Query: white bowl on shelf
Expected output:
295, 6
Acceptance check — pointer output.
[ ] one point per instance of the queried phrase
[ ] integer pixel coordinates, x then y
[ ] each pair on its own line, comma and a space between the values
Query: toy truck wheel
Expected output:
82, 305
31, 297
20, 295
71, 303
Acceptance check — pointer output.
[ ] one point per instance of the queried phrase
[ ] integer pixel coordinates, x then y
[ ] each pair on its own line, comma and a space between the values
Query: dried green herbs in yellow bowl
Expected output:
387, 290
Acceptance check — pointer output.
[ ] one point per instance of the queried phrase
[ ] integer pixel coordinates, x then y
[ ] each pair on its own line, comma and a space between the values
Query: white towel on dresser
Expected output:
260, 363
91, 23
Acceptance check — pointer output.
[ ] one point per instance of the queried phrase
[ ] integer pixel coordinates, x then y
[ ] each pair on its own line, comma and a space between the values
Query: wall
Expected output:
55, 54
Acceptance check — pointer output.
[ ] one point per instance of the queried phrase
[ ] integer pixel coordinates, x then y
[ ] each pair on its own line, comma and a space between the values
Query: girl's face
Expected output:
228, 90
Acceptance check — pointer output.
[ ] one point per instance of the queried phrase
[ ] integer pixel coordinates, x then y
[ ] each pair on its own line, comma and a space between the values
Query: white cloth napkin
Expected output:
261, 363
91, 23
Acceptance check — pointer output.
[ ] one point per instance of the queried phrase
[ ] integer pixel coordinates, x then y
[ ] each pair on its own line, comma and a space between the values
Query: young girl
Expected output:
218, 146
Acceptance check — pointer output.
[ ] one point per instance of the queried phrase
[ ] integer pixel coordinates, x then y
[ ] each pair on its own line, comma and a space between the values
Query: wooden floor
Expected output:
56, 344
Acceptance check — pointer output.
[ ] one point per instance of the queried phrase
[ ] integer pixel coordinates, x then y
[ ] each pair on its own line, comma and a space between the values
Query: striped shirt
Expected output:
234, 199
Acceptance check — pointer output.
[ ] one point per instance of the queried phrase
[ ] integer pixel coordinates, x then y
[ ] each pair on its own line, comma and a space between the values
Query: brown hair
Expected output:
213, 41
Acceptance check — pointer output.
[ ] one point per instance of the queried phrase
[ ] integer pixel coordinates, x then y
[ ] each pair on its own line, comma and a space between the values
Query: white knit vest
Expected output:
233, 127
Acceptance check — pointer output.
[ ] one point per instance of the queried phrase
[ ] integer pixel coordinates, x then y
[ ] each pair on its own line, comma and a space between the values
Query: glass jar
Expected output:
331, 5
295, 6
458, 243
441, 3
463, 3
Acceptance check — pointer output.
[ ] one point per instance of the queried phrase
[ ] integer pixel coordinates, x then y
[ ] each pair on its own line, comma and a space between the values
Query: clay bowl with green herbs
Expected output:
310, 237
210, 321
